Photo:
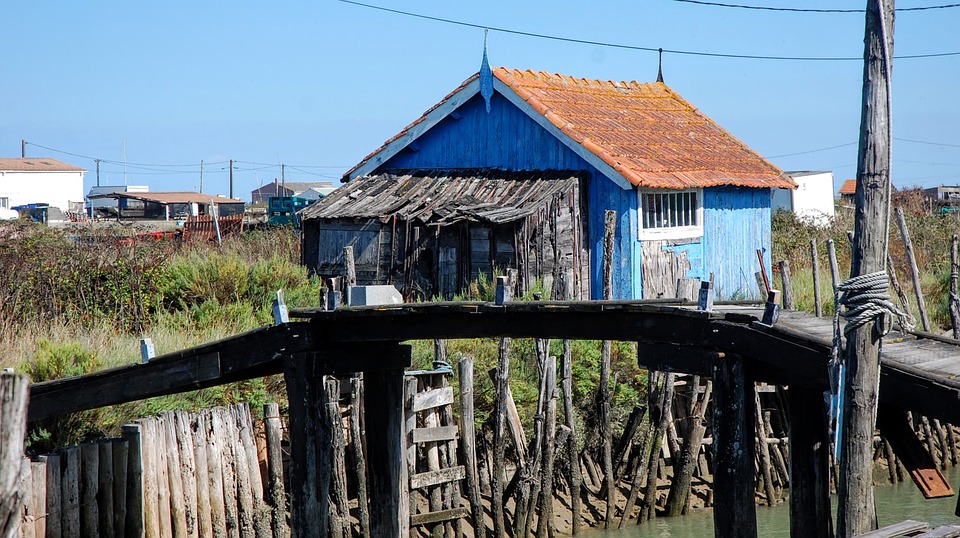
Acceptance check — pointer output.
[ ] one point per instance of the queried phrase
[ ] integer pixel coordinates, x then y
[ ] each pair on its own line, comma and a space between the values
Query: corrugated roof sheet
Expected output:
37, 164
849, 187
444, 197
645, 131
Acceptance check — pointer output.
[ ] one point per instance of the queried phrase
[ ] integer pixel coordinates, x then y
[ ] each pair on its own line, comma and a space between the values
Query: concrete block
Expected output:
374, 295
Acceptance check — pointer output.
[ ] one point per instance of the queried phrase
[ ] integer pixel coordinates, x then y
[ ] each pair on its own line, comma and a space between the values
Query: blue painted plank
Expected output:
736, 223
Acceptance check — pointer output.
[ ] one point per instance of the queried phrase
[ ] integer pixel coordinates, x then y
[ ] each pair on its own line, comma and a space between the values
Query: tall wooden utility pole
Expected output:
872, 222
231, 178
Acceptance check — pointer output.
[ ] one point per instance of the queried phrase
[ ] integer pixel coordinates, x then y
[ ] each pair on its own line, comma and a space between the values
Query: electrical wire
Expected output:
636, 47
810, 10
813, 150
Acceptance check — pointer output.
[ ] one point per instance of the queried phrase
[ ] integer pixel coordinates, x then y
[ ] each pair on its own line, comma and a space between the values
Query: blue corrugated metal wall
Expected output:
507, 138
736, 222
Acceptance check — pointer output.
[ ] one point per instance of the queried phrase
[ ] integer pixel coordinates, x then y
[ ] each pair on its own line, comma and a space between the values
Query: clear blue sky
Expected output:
318, 85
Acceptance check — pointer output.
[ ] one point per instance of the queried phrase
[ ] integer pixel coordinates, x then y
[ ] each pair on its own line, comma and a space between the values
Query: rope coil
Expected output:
867, 299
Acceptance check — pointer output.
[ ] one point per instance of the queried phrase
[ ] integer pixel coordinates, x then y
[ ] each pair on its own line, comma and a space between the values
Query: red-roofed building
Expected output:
848, 192
691, 199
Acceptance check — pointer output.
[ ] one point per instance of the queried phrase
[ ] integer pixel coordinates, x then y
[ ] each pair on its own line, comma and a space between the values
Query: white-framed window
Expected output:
667, 214
5, 202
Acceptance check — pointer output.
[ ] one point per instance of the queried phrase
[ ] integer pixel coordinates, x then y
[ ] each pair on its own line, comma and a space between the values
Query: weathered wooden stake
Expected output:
54, 497
545, 525
339, 510
895, 283
603, 396
679, 494
855, 514
659, 414
914, 271
276, 497
306, 516
834, 269
359, 461
383, 405
954, 299
734, 513
133, 523
765, 466
105, 488
14, 389
573, 461
815, 260
500, 416
787, 285
468, 444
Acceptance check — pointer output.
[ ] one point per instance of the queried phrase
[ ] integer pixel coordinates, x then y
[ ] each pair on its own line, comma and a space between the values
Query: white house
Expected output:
812, 200
40, 180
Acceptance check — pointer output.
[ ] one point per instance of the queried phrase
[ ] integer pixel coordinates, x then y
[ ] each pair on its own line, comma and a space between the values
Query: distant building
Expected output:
40, 180
311, 190
944, 196
812, 200
105, 206
848, 193
168, 205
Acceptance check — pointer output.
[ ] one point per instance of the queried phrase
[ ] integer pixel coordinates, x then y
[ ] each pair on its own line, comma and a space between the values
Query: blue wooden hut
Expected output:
692, 200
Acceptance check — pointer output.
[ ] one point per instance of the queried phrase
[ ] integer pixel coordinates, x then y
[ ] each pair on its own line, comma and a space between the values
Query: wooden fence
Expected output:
203, 228
175, 474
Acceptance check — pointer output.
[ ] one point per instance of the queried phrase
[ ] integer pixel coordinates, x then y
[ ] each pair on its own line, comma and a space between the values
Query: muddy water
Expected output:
894, 503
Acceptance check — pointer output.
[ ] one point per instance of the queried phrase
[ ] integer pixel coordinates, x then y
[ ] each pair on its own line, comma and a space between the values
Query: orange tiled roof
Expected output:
646, 132
849, 187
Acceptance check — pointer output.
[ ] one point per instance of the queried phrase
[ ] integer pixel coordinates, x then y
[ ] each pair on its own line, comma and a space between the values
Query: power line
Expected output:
121, 162
813, 150
636, 47
809, 10
927, 143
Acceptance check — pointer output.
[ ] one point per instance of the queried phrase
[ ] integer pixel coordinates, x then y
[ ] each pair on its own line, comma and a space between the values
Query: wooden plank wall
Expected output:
739, 218
178, 473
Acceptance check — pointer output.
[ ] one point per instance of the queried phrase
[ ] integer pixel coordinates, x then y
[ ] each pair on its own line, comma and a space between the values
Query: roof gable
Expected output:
638, 134
849, 187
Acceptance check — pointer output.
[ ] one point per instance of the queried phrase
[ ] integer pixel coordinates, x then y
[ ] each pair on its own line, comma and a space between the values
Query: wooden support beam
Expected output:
809, 464
734, 513
252, 354
383, 405
908, 448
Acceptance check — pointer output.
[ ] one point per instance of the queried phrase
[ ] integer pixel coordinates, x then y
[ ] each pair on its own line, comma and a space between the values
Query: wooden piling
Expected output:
70, 492
383, 405
776, 454
276, 498
810, 513
499, 423
764, 452
914, 271
573, 460
119, 456
38, 473
339, 510
25, 518
603, 397
815, 261
468, 444
306, 516
895, 284
178, 505
953, 298
198, 441
855, 514
679, 495
222, 526
89, 482
734, 513
545, 526
14, 390
834, 268
659, 414
244, 422
105, 508
133, 522
54, 496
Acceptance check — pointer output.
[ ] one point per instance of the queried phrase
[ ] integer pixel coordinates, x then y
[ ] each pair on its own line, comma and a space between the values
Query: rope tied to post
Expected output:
867, 299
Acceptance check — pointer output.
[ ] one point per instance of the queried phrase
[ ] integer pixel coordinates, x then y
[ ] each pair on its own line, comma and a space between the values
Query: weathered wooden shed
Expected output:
433, 232
692, 200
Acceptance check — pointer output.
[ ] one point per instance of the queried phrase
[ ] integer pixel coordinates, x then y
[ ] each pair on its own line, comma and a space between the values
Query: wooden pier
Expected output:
728, 344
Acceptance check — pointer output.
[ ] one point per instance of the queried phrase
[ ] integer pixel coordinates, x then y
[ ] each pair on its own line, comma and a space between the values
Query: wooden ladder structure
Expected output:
432, 433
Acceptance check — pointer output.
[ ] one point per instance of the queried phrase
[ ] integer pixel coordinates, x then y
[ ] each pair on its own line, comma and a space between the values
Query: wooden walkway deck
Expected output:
919, 373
